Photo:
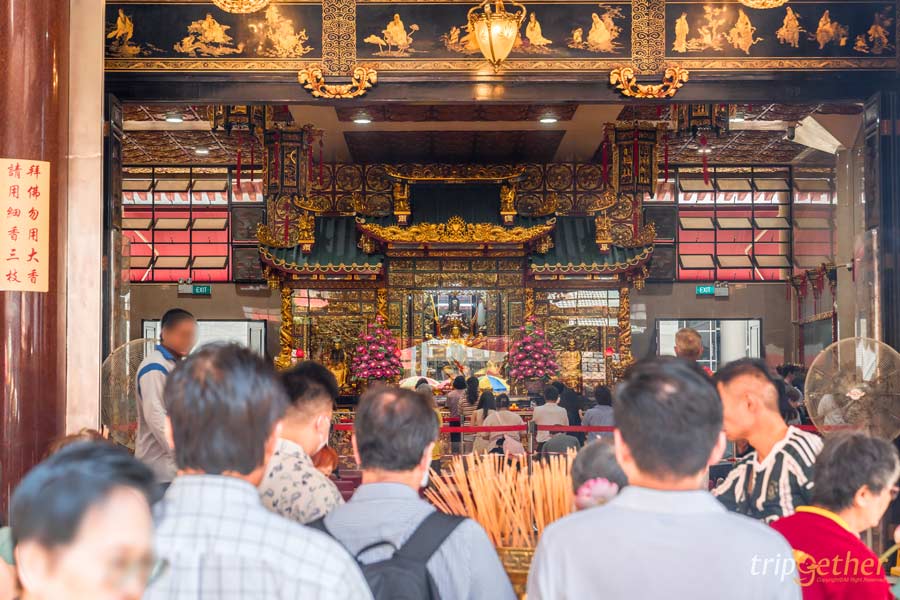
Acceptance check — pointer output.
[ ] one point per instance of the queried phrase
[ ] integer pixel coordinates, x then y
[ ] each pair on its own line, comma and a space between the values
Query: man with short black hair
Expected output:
394, 433
224, 406
777, 476
81, 525
293, 487
668, 431
550, 413
178, 334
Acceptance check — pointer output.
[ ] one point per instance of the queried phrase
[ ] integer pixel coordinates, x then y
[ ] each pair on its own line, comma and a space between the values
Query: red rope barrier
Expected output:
446, 429
576, 428
495, 429
550, 428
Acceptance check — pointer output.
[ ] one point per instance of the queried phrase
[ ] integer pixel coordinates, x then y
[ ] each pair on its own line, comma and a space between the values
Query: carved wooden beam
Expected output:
625, 80
362, 79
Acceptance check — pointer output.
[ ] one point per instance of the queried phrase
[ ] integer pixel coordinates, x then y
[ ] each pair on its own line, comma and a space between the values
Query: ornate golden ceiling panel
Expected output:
455, 231
454, 172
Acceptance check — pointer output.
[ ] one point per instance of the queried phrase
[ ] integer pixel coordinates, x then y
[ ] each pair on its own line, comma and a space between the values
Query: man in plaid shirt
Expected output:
214, 538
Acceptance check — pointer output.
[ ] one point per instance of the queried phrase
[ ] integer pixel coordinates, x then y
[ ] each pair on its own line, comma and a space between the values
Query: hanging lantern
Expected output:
763, 3
241, 118
692, 120
241, 7
286, 160
635, 156
496, 30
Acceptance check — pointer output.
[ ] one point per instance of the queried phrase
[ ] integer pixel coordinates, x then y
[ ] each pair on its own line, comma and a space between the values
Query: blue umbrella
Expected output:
497, 385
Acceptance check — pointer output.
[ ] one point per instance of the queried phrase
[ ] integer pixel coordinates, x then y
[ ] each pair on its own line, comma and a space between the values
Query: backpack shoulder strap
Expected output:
319, 525
429, 536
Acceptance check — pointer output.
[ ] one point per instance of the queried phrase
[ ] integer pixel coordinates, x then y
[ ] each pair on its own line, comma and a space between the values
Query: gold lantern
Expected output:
763, 3
635, 156
241, 6
496, 29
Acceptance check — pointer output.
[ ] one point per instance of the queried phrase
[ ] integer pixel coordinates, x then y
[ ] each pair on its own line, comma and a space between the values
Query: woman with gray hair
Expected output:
855, 480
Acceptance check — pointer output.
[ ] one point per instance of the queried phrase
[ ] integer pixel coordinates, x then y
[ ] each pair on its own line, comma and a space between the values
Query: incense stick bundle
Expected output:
511, 504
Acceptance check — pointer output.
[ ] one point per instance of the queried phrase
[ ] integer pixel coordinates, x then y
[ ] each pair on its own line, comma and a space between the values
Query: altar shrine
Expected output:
453, 258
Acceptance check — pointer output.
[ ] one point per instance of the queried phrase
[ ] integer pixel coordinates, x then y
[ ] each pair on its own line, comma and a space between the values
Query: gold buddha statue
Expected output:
570, 366
336, 362
456, 334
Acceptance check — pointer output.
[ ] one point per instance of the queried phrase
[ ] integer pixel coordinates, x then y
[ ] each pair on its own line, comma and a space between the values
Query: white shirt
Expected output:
549, 414
657, 544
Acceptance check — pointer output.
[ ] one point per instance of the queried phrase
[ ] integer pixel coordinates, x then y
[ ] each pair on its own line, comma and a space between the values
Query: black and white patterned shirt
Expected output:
775, 487
218, 542
294, 488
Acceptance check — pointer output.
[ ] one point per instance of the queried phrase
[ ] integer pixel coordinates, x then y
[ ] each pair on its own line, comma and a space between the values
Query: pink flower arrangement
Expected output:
532, 356
380, 358
595, 492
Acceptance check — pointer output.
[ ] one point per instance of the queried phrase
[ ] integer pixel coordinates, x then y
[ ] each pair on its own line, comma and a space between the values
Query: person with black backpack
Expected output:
406, 549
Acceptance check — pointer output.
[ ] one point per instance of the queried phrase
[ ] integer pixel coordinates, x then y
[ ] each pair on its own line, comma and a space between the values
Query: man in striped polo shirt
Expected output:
777, 476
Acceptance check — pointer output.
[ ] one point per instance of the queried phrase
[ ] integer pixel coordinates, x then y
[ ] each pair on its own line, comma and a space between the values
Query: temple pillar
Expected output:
34, 51
733, 336
849, 230
84, 253
882, 186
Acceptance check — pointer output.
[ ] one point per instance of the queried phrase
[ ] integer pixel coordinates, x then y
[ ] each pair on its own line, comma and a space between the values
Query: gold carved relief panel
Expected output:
430, 37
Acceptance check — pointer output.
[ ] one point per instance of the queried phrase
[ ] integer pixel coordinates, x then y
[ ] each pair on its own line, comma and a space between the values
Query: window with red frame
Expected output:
179, 222
737, 226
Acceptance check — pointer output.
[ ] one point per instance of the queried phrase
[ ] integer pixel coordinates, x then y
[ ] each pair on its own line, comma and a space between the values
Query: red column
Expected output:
34, 59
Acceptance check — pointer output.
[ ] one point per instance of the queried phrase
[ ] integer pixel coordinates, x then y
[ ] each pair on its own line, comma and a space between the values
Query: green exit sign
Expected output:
202, 290
706, 290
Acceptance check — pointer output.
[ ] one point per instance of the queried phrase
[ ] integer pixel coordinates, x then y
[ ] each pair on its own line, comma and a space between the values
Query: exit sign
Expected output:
706, 290
194, 289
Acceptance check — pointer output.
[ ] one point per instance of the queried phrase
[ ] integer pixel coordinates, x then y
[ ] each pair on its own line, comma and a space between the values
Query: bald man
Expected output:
776, 477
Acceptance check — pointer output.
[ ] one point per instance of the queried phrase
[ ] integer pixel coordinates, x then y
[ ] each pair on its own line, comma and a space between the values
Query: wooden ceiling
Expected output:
487, 147
419, 113
752, 112
180, 148
469, 133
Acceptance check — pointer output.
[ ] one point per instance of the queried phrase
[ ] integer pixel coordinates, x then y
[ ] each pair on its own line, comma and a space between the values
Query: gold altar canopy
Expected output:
454, 258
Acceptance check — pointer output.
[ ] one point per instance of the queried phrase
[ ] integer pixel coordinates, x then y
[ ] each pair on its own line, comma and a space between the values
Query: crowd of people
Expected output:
228, 495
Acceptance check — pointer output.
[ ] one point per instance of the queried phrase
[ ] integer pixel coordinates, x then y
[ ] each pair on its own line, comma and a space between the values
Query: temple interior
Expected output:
455, 222
498, 205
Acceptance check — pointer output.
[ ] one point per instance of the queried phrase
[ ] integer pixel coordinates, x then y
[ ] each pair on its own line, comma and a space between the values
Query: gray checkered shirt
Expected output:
220, 543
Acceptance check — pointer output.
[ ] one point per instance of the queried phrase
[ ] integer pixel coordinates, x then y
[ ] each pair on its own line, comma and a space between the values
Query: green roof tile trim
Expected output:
335, 251
575, 251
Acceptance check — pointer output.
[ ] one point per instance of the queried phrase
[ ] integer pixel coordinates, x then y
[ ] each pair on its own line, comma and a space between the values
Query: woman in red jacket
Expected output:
855, 480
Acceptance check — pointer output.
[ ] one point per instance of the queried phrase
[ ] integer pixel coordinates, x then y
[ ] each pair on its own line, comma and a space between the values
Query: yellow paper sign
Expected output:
24, 225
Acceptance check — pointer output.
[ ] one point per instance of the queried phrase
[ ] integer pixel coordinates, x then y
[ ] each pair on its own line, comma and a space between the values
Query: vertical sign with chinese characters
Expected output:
24, 225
